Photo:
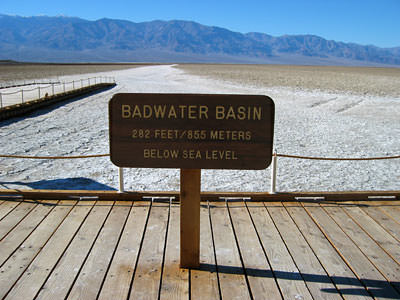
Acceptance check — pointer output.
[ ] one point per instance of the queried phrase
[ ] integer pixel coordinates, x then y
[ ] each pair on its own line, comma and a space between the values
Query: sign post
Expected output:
191, 132
190, 217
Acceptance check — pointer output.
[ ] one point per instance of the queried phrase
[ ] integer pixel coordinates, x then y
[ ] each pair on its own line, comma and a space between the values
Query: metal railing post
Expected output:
273, 173
121, 180
39, 91
22, 96
1, 101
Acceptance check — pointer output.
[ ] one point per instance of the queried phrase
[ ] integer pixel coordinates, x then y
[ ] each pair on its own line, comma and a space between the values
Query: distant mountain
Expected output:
66, 39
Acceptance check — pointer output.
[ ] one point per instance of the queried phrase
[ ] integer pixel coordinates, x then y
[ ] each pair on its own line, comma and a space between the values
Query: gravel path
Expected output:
308, 121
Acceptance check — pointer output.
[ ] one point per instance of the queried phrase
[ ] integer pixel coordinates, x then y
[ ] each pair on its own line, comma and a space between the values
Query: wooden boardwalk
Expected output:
249, 250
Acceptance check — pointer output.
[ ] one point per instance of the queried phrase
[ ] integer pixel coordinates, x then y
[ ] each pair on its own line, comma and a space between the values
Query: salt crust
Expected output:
308, 122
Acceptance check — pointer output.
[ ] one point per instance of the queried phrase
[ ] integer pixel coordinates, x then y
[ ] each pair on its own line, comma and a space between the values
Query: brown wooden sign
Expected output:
191, 131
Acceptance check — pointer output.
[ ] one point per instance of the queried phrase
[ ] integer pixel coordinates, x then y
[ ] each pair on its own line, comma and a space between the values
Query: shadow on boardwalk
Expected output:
77, 183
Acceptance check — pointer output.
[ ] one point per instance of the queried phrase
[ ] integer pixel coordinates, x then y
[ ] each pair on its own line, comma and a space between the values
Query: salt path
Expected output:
308, 122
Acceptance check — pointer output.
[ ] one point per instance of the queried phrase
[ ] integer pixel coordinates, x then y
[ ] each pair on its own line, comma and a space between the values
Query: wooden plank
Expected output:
382, 261
355, 259
119, 276
18, 262
190, 218
6, 207
146, 283
175, 280
287, 275
139, 195
14, 217
29, 284
64, 274
257, 268
204, 281
342, 276
232, 278
393, 211
88, 283
24, 229
377, 232
314, 275
389, 223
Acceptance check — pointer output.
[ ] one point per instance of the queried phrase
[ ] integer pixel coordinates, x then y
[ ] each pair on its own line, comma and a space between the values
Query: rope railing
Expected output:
275, 154
273, 164
12, 85
76, 84
337, 158
54, 157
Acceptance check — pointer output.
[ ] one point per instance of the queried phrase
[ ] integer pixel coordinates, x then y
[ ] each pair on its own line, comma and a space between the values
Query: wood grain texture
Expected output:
90, 278
342, 276
190, 218
33, 278
288, 276
146, 283
256, 265
175, 280
317, 280
24, 229
119, 277
371, 278
204, 280
72, 260
18, 262
232, 277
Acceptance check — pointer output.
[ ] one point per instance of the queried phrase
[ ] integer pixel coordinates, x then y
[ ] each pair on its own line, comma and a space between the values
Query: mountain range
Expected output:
69, 39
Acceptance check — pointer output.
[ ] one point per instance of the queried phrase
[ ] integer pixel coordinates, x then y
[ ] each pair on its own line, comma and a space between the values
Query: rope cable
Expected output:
336, 158
278, 154
54, 157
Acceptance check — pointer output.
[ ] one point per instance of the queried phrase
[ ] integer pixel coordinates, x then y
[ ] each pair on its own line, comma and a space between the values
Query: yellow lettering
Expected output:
198, 154
126, 111
182, 111
219, 112
172, 113
159, 111
136, 112
231, 113
203, 112
147, 111
174, 153
241, 114
161, 154
248, 135
192, 112
257, 113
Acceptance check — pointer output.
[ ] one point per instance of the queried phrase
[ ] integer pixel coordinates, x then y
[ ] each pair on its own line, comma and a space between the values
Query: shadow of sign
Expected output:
78, 183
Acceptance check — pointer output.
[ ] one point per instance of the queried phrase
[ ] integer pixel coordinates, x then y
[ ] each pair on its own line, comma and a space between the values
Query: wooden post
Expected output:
273, 173
190, 218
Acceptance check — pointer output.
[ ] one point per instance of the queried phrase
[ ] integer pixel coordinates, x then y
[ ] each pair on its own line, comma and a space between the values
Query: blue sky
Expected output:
365, 22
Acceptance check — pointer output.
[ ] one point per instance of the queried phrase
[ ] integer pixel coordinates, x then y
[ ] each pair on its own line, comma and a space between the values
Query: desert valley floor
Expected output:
320, 111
